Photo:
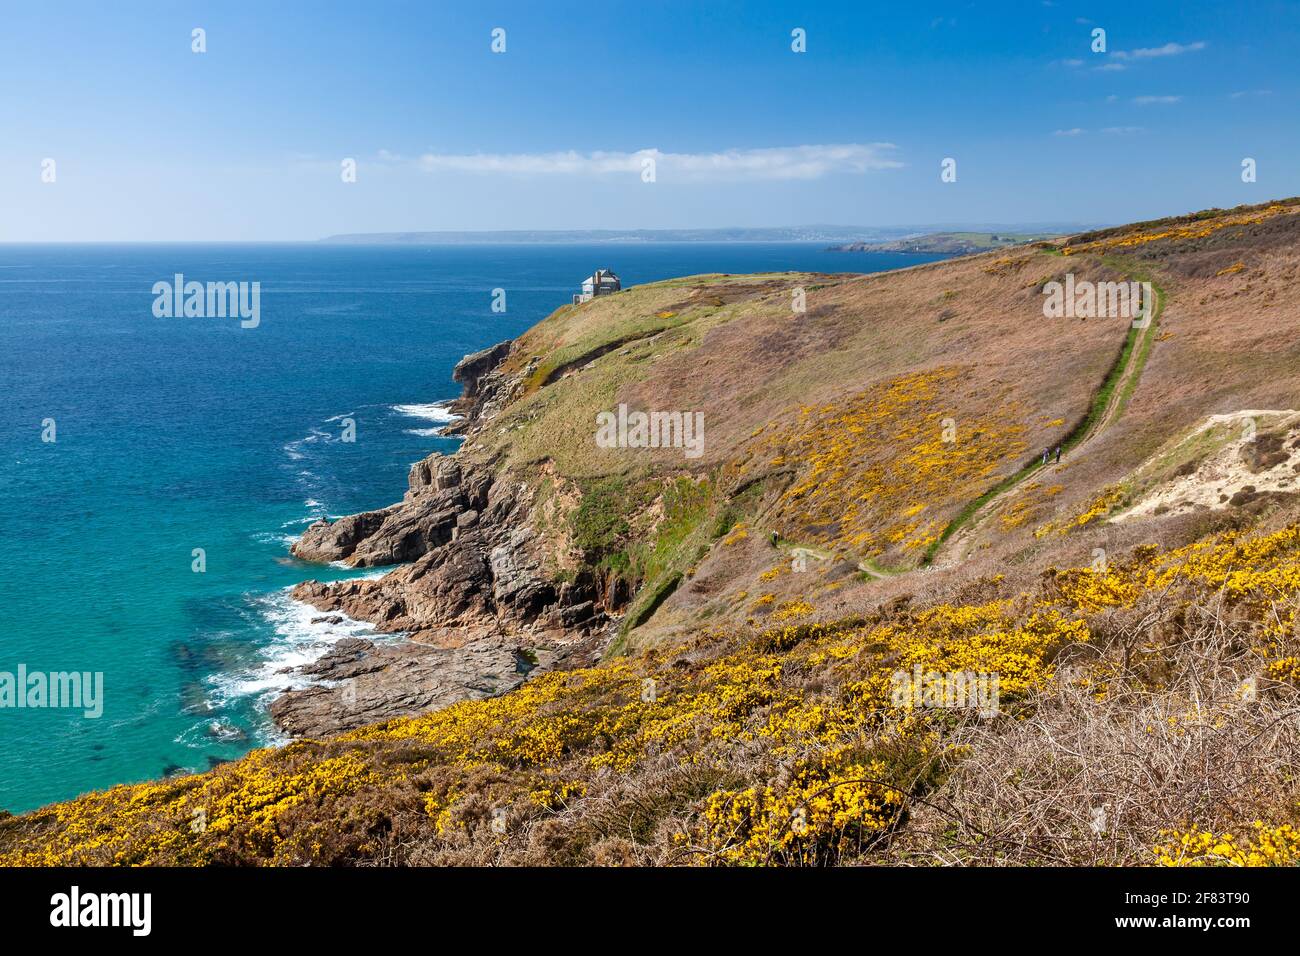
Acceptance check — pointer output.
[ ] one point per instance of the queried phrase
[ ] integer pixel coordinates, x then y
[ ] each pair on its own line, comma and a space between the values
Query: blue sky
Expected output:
244, 142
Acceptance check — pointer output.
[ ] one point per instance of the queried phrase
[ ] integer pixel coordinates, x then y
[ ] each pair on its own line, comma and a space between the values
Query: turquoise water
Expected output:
174, 434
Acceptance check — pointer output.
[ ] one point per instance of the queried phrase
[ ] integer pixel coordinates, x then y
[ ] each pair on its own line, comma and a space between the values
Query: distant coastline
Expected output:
951, 243
815, 233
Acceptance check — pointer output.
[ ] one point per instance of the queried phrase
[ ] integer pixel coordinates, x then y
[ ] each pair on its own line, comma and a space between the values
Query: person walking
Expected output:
1058, 454
1046, 452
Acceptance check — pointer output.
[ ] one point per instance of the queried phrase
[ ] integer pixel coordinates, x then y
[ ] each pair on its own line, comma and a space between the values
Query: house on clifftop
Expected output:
600, 282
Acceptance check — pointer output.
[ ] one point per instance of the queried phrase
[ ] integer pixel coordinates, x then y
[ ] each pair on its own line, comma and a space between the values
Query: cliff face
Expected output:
480, 612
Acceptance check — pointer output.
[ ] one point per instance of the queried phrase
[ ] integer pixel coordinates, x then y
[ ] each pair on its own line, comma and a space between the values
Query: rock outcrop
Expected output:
369, 682
440, 500
486, 388
471, 594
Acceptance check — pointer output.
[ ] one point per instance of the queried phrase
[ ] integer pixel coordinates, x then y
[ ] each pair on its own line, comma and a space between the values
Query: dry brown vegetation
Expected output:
1184, 731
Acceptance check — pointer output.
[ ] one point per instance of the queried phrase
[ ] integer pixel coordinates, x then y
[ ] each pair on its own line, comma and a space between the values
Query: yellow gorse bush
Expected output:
875, 471
1196, 230
1260, 572
1264, 846
839, 756
830, 808
789, 610
1098, 508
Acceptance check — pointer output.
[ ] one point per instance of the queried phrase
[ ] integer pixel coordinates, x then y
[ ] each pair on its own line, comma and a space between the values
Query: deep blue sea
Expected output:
176, 434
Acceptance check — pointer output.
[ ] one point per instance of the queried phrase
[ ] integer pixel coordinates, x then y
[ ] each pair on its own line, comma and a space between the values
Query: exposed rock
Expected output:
326, 541
448, 587
486, 579
471, 595
464, 521
438, 472
480, 616
376, 682
365, 682
426, 519
515, 574
486, 388
470, 370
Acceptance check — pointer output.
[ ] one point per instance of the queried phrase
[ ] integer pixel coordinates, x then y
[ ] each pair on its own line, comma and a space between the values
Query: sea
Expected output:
155, 468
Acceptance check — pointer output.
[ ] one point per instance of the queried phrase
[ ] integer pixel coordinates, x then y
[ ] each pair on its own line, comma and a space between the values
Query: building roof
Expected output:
603, 276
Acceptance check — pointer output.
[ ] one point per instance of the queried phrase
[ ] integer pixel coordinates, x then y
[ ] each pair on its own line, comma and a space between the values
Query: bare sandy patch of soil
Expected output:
1226, 462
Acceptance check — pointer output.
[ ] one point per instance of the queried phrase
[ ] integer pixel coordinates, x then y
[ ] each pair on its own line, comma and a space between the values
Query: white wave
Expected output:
270, 537
202, 735
303, 634
299, 522
294, 449
433, 412
368, 576
423, 432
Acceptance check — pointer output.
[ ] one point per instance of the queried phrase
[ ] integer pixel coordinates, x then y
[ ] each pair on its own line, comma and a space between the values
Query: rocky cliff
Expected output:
480, 613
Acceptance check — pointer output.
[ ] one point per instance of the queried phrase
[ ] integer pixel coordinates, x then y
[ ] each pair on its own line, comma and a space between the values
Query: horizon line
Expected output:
366, 238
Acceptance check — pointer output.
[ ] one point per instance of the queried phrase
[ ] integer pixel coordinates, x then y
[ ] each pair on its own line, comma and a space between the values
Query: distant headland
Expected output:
815, 233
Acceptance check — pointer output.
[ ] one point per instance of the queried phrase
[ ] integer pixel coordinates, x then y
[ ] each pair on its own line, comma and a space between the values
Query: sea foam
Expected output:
433, 412
302, 635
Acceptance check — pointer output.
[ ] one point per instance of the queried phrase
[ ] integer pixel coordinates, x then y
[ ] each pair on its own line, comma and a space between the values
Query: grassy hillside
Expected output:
870, 502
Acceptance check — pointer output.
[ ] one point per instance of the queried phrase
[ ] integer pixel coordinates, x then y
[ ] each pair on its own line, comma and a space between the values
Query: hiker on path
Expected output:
1046, 452
1058, 454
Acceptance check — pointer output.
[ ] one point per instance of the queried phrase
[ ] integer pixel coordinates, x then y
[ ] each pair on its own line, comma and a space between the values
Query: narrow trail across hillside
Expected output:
959, 538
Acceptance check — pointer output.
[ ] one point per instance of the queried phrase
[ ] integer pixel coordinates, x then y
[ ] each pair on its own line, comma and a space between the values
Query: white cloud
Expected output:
1155, 100
1151, 52
1107, 130
781, 162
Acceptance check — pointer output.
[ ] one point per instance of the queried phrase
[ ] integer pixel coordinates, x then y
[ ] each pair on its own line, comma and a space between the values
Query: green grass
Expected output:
601, 525
1145, 343
716, 278
594, 346
609, 526
687, 504
873, 568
